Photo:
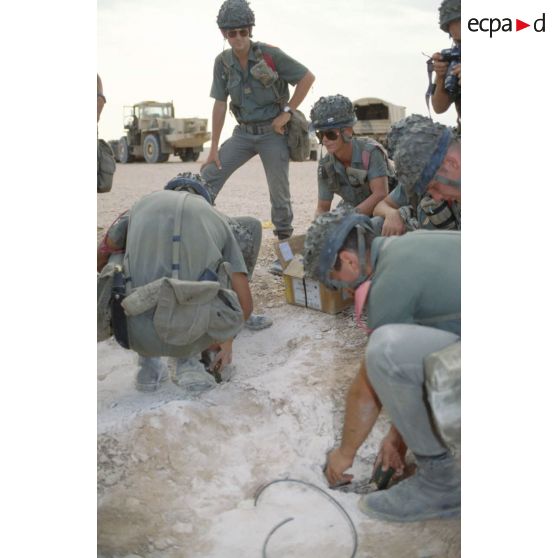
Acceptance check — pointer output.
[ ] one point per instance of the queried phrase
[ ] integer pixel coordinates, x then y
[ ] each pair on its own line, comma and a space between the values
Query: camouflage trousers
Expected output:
248, 234
395, 366
274, 154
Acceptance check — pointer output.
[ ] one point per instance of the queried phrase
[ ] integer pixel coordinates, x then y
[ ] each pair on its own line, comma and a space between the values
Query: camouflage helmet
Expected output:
450, 10
333, 111
325, 238
234, 14
421, 145
190, 182
396, 131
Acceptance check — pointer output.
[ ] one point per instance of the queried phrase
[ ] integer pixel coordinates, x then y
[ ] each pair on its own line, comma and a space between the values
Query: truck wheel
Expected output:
151, 149
163, 158
195, 155
124, 155
313, 155
187, 155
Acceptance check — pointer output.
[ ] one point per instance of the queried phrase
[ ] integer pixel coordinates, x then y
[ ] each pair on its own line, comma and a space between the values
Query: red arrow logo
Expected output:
519, 25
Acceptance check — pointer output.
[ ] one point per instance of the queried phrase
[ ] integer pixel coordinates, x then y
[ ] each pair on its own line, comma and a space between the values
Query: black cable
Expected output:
333, 500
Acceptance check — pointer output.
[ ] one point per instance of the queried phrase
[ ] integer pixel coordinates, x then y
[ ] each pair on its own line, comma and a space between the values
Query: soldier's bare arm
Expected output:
362, 409
379, 190
217, 122
299, 93
242, 289
393, 223
323, 207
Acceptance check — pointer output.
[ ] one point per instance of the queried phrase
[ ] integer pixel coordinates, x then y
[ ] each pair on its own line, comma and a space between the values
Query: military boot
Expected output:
433, 492
258, 321
275, 268
152, 371
191, 375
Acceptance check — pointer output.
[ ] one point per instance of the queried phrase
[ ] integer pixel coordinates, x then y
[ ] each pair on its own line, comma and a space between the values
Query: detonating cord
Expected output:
331, 499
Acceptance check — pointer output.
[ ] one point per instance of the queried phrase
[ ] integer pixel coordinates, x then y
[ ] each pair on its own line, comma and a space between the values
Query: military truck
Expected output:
153, 133
375, 117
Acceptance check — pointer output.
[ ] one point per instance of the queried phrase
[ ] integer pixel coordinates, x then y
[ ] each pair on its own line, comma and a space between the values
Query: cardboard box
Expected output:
301, 291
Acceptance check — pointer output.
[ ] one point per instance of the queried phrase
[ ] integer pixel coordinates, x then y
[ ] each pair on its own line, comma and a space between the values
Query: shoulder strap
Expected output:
367, 149
431, 86
176, 236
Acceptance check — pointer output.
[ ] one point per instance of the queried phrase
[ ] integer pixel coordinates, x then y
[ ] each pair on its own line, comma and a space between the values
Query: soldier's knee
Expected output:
382, 350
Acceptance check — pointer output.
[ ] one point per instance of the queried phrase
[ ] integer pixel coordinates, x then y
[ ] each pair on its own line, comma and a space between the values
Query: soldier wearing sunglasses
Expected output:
356, 169
256, 77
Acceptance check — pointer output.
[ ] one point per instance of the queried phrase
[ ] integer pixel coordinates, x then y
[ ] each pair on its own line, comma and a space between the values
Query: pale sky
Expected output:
360, 48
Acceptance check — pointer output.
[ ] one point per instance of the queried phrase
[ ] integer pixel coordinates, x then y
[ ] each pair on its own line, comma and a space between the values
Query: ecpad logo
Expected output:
493, 25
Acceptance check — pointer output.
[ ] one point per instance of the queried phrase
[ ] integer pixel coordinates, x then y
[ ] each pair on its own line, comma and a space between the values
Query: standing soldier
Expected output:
443, 97
355, 169
256, 76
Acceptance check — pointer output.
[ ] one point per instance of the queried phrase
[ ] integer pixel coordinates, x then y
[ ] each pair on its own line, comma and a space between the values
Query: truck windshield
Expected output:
154, 112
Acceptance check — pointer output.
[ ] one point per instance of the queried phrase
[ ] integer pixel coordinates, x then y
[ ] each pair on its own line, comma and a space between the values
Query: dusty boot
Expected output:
191, 375
275, 268
434, 491
152, 371
257, 321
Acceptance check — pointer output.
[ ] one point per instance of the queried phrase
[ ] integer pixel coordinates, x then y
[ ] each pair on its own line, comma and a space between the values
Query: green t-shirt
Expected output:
353, 189
253, 101
416, 279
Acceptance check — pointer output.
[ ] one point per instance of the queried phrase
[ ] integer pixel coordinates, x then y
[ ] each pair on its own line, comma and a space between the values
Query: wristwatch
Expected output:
287, 108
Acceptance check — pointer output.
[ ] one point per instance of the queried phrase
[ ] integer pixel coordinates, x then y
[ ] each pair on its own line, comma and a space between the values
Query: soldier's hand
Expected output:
223, 357
440, 67
280, 121
393, 224
337, 464
213, 157
392, 453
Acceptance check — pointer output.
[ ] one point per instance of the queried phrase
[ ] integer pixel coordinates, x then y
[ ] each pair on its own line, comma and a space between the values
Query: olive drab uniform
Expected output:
172, 241
106, 167
254, 104
247, 232
369, 161
412, 322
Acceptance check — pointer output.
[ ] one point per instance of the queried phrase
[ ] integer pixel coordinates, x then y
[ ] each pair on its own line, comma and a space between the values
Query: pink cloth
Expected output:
361, 294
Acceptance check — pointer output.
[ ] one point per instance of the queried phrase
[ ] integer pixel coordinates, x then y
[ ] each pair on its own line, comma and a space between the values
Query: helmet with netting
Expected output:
450, 10
326, 237
190, 182
421, 147
396, 131
235, 14
333, 111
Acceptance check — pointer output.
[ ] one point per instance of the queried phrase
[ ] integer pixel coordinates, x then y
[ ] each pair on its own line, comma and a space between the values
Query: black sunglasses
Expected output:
231, 33
331, 135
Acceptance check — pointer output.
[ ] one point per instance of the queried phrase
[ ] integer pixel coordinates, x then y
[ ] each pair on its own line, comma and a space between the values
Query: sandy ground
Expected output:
177, 476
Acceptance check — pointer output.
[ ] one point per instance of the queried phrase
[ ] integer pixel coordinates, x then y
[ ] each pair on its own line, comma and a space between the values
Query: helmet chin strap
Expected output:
363, 276
346, 138
447, 181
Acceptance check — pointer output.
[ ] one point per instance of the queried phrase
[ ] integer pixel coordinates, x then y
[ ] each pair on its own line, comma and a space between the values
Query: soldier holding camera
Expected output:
447, 63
